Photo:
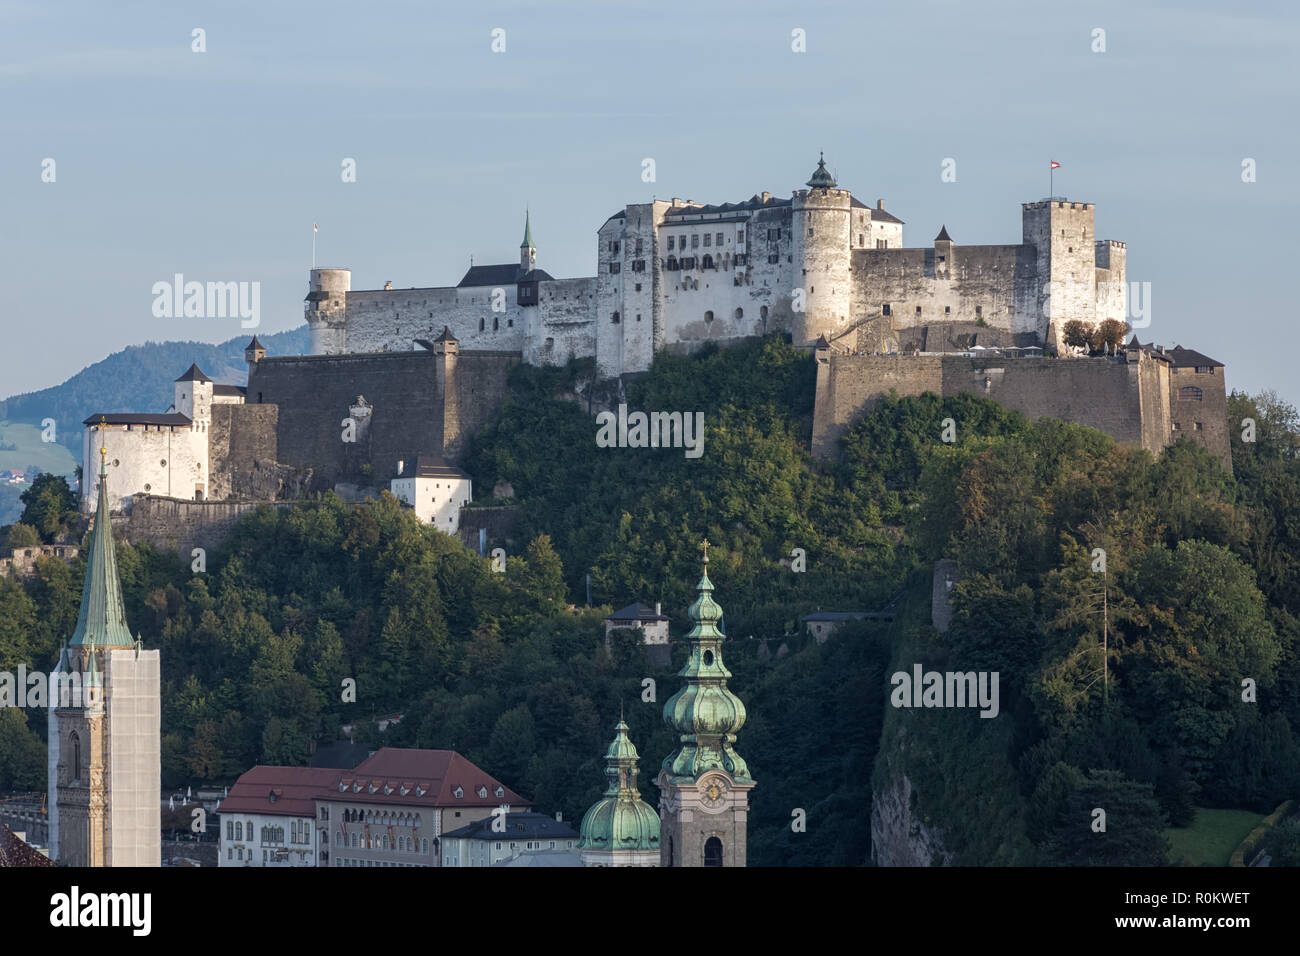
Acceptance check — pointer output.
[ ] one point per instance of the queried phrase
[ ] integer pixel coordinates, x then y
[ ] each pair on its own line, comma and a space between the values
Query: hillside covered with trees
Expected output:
1201, 588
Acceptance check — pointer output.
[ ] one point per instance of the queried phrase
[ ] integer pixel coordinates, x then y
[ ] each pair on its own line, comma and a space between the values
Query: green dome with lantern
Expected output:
620, 820
705, 714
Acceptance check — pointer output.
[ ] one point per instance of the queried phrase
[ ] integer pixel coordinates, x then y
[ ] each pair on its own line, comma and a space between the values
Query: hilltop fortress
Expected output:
407, 375
675, 274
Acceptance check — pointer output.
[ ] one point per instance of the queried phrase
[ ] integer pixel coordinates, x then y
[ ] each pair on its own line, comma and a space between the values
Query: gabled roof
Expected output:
430, 777
229, 390
1189, 358
14, 852
501, 274
636, 612
282, 791
536, 275
193, 374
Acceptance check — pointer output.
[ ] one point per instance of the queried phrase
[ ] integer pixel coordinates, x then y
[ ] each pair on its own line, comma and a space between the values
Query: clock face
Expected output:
713, 793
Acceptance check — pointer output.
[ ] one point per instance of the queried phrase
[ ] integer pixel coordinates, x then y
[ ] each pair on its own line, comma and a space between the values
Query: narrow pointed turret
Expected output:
102, 619
620, 829
527, 251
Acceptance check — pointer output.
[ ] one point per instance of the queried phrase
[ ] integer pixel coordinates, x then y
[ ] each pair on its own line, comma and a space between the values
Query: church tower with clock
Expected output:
704, 784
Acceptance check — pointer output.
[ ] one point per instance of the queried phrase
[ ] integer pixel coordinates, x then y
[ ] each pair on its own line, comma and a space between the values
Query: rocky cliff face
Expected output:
898, 837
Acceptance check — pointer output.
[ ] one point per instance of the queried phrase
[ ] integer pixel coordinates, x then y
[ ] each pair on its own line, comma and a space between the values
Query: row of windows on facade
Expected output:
401, 844
299, 832
615, 318
887, 309
347, 862
673, 264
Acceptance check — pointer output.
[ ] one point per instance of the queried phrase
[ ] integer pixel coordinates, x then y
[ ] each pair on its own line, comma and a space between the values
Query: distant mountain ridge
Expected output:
139, 379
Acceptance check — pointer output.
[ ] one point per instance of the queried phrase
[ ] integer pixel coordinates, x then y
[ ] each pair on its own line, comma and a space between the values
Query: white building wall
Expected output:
252, 847
436, 501
134, 760
169, 460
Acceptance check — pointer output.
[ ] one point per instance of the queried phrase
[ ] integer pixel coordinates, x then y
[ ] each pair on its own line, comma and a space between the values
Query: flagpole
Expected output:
313, 245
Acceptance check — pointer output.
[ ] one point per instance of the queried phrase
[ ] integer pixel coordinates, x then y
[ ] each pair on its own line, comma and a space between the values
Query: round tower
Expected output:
326, 310
822, 238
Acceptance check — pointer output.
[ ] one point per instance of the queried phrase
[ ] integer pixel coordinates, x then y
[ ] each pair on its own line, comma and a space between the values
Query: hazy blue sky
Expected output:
216, 164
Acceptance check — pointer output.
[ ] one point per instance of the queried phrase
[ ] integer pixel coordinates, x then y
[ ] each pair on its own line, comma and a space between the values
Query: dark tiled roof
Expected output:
519, 826
501, 274
428, 466
1189, 358
754, 202
446, 335
943, 235
229, 390
536, 275
133, 418
255, 345
636, 612
193, 374
14, 852
880, 215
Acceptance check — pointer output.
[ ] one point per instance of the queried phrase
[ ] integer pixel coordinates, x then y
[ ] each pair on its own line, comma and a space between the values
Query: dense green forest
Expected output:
1201, 587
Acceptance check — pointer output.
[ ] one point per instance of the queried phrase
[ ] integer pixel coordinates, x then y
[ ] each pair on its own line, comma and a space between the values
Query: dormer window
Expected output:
458, 793
501, 791
482, 793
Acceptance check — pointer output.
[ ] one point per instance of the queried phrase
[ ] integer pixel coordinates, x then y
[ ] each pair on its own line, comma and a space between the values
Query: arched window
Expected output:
707, 263
762, 313
496, 325
713, 852
614, 318
425, 845
76, 756
708, 316
670, 851
1189, 393
481, 325
239, 831
338, 839
740, 313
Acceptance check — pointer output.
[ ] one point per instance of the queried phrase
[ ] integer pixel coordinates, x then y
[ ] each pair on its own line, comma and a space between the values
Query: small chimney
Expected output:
658, 609
880, 204
767, 196
558, 815
388, 286
401, 465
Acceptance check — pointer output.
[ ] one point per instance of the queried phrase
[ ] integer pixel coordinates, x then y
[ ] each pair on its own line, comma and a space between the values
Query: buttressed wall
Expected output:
401, 403
1129, 396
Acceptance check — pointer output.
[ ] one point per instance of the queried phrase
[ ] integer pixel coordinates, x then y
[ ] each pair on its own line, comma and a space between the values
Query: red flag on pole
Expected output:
1055, 164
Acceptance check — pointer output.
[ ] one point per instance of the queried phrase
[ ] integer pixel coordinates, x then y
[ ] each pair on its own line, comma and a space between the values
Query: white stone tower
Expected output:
822, 236
1064, 240
326, 310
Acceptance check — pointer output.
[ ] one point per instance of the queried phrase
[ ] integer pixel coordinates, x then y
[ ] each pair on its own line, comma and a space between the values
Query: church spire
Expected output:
102, 618
704, 713
527, 251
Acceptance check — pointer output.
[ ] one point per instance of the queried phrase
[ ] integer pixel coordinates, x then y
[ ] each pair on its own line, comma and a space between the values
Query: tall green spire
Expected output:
620, 820
528, 232
102, 619
704, 713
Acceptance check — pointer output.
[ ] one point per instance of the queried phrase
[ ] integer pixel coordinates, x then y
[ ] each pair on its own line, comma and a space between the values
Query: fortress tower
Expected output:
821, 241
1064, 240
326, 310
527, 251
